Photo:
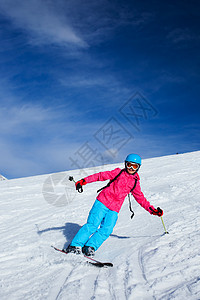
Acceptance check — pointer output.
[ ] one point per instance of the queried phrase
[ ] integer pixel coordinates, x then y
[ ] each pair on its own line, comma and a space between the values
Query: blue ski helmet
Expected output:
135, 158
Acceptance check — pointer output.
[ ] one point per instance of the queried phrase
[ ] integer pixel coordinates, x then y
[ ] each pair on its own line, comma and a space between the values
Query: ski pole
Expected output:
164, 225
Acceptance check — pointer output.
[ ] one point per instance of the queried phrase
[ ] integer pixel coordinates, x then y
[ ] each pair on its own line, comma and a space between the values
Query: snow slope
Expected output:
148, 264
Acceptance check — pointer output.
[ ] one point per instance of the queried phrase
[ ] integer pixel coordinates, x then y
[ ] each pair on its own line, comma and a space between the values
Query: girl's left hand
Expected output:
156, 212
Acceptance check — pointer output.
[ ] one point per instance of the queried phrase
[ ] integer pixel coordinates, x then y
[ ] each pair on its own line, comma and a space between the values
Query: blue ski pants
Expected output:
99, 226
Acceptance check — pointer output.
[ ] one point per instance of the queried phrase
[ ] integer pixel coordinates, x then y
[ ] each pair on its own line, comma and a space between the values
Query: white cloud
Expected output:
180, 35
88, 81
19, 119
99, 20
35, 139
71, 23
43, 22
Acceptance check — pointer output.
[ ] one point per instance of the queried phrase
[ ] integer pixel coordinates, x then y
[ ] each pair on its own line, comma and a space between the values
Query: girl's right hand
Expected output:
79, 185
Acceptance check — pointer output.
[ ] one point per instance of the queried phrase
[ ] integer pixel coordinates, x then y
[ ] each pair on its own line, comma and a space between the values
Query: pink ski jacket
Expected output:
114, 195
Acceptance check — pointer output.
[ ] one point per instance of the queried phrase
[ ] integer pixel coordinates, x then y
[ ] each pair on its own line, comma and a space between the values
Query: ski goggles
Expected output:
132, 166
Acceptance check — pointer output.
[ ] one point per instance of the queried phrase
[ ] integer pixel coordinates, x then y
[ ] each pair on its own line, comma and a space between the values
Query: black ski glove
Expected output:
79, 185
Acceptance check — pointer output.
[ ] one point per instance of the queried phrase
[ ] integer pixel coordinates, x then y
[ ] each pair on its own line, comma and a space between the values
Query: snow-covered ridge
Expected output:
2, 177
43, 210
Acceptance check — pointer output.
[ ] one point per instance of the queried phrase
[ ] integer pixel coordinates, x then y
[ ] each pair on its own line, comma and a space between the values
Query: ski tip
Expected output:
56, 248
108, 264
100, 265
96, 264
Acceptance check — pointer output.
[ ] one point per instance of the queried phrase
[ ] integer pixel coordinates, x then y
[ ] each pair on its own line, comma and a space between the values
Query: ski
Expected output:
92, 261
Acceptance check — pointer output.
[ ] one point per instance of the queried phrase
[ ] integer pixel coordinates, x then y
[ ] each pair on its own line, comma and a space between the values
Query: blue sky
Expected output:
87, 82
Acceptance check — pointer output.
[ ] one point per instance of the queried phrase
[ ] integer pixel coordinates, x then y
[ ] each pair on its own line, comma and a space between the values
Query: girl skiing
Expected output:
104, 213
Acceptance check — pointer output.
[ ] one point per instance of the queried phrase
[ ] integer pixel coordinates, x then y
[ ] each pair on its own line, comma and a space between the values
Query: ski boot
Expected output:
73, 249
88, 251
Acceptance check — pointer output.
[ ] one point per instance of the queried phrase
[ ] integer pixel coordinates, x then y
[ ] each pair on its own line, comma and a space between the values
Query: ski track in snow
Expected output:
148, 264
